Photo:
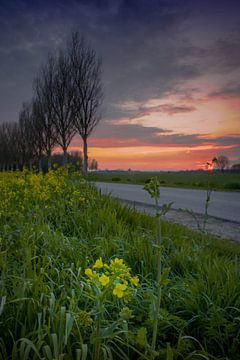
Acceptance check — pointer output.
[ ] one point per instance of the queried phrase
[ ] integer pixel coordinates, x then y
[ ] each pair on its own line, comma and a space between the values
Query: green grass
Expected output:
188, 179
49, 309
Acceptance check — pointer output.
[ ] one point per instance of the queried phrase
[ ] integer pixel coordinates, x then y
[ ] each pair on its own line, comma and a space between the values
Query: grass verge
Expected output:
56, 229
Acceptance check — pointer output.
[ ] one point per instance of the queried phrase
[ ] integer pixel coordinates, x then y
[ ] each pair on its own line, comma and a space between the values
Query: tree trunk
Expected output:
40, 164
64, 156
85, 156
49, 160
30, 165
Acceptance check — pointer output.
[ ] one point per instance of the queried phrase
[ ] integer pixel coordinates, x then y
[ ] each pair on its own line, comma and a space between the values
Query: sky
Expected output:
171, 75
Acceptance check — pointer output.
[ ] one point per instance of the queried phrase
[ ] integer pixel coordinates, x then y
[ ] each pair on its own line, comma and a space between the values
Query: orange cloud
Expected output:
169, 133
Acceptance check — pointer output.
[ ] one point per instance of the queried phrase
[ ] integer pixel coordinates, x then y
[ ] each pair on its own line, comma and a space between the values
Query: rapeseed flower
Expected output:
89, 273
116, 277
119, 290
117, 262
135, 280
98, 264
104, 280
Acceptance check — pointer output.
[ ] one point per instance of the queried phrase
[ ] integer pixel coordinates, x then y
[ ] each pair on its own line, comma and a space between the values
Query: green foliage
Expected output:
153, 188
55, 226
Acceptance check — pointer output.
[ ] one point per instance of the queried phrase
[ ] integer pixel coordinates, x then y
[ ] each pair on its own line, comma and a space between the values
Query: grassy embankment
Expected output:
189, 179
54, 227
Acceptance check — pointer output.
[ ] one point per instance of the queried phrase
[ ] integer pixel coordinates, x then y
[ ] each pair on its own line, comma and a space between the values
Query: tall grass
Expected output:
53, 227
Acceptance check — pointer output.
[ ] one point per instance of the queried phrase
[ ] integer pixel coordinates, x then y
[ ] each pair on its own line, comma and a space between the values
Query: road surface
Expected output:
223, 205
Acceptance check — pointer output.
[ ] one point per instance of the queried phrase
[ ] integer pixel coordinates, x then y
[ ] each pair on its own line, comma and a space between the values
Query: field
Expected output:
78, 277
189, 179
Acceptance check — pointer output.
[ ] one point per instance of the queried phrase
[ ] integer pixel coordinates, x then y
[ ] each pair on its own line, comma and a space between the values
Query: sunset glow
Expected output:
186, 139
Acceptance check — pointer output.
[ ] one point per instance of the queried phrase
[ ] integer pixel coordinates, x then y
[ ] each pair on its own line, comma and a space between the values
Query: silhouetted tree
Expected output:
88, 94
4, 146
13, 136
26, 136
67, 98
93, 165
8, 146
38, 130
222, 162
62, 102
235, 167
43, 95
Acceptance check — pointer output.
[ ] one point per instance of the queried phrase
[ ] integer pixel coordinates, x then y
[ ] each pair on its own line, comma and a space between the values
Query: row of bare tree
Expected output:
66, 101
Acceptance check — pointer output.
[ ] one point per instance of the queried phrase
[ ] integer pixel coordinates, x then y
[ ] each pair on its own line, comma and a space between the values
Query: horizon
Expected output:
171, 73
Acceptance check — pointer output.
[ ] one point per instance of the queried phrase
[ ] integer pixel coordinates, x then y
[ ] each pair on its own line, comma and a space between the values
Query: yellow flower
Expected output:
104, 280
117, 261
89, 273
135, 280
119, 290
98, 264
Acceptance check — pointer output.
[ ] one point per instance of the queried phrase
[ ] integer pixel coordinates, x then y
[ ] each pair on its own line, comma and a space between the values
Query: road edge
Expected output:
223, 229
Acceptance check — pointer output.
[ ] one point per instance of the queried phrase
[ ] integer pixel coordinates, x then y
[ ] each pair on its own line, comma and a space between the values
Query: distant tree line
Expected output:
67, 96
235, 167
222, 163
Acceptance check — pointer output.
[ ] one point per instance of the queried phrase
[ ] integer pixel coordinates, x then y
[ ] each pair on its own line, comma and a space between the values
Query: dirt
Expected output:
220, 228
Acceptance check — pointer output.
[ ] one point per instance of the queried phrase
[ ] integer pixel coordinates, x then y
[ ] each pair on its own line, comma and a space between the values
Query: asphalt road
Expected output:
223, 205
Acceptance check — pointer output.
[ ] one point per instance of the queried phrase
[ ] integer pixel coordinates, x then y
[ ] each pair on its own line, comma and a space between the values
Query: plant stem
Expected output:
209, 190
159, 273
97, 345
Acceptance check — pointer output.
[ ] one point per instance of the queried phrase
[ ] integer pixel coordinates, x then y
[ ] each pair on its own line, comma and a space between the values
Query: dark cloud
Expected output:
138, 111
124, 133
227, 92
226, 54
226, 140
128, 131
195, 139
149, 47
169, 109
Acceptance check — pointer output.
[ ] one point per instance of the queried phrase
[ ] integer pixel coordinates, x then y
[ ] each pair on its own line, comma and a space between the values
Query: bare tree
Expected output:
8, 146
3, 147
88, 94
43, 98
38, 131
13, 138
67, 98
62, 103
222, 162
93, 165
27, 136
